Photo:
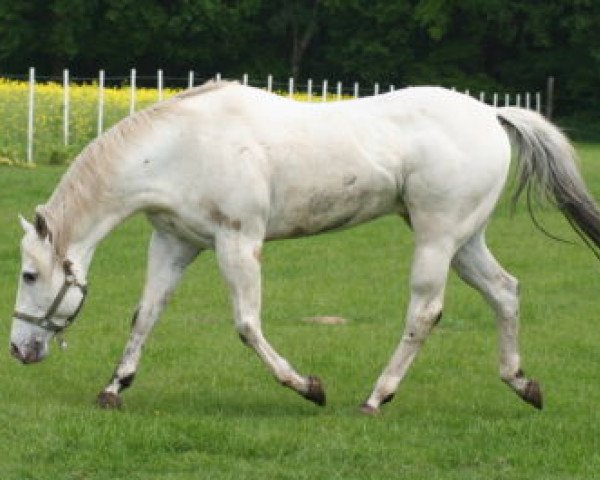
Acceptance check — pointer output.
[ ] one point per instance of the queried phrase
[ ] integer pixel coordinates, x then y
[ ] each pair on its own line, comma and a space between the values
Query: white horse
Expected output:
228, 167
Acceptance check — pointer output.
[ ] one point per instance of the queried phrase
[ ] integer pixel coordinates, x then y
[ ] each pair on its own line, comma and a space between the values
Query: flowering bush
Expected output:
48, 140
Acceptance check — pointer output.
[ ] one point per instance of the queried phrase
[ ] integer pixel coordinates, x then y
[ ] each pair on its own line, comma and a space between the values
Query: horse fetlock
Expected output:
510, 372
126, 381
388, 398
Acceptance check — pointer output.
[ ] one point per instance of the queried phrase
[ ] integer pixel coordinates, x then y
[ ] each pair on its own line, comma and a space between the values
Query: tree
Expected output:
48, 34
475, 44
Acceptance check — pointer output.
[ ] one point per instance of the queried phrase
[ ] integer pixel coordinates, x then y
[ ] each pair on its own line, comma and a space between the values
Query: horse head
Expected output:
49, 295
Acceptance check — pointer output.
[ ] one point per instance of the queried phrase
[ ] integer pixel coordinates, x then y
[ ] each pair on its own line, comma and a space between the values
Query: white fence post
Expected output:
518, 100
495, 99
324, 91
507, 99
30, 111
528, 101
191, 79
245, 79
356, 91
482, 97
291, 87
218, 77
269, 83
132, 92
550, 97
376, 89
100, 102
538, 102
66, 107
159, 84
339, 91
309, 89
392, 88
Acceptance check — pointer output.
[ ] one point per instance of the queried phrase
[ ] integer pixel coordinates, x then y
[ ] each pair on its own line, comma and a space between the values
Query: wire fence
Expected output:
50, 119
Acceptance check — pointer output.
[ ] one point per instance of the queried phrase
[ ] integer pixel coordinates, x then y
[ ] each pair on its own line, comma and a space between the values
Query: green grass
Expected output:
203, 406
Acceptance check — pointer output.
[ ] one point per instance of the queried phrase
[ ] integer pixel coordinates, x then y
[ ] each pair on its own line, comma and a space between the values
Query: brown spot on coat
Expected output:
236, 225
349, 179
257, 253
217, 216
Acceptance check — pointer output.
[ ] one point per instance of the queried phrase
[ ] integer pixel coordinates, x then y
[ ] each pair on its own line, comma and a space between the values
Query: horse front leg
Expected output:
239, 261
168, 257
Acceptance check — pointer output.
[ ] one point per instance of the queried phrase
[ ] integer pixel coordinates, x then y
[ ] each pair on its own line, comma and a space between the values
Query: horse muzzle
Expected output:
30, 353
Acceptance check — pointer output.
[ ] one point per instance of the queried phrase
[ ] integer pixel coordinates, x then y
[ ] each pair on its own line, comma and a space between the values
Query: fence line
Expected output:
30, 113
132, 91
100, 122
66, 102
292, 88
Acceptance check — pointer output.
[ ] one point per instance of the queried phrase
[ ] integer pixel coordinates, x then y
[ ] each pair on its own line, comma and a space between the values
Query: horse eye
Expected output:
29, 277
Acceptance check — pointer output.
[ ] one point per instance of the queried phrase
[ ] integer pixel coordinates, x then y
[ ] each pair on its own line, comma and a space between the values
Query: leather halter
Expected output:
46, 321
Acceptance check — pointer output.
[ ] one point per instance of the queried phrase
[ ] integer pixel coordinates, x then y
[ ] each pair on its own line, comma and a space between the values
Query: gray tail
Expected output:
547, 164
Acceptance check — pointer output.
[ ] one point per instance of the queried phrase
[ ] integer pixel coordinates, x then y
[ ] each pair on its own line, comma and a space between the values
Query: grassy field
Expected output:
203, 407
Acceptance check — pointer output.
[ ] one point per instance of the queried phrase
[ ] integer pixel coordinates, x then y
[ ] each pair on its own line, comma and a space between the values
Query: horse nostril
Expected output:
38, 346
14, 351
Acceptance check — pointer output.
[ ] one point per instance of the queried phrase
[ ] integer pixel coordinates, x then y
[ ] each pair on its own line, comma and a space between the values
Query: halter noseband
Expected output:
46, 321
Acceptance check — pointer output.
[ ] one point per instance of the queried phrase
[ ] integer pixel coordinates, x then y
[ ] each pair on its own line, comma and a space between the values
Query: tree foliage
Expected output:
476, 44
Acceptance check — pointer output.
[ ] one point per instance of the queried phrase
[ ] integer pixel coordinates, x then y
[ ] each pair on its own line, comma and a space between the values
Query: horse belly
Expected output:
316, 207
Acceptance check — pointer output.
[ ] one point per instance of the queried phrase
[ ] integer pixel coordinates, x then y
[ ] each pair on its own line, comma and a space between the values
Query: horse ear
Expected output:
25, 225
41, 227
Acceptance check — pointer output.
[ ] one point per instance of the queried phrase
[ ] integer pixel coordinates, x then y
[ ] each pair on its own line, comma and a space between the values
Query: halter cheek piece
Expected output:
46, 321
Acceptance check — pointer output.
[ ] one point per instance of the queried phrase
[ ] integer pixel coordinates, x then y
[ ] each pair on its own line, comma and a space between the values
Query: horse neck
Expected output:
85, 207
105, 184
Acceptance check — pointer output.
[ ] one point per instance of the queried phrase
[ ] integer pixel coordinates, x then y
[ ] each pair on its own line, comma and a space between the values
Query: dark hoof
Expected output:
108, 400
533, 394
315, 392
368, 410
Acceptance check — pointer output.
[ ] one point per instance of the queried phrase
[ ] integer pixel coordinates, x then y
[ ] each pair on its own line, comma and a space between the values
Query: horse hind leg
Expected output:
239, 261
427, 283
475, 264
